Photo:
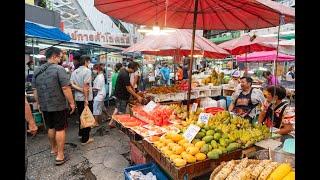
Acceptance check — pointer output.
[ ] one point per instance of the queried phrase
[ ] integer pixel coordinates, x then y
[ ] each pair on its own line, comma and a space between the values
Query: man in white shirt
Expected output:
81, 81
99, 87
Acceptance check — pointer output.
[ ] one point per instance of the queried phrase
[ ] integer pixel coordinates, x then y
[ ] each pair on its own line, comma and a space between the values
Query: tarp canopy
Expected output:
264, 56
47, 32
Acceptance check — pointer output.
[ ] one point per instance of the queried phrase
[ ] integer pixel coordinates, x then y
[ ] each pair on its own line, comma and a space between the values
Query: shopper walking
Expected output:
99, 86
51, 90
81, 81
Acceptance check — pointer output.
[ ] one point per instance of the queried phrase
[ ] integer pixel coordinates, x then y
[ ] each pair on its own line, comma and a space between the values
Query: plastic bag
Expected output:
86, 118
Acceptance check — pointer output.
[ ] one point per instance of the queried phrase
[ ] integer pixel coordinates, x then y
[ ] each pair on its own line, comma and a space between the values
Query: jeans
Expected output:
121, 105
84, 132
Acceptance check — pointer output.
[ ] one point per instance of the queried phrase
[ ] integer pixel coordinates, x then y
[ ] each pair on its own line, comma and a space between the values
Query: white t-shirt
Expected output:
132, 75
99, 83
79, 76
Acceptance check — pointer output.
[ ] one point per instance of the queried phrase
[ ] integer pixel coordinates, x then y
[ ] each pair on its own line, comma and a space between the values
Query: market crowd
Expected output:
59, 93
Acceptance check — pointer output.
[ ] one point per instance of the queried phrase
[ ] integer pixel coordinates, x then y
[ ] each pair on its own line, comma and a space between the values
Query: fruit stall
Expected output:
185, 145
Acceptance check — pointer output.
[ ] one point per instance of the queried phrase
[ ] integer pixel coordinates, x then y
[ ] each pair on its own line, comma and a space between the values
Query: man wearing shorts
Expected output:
52, 91
124, 89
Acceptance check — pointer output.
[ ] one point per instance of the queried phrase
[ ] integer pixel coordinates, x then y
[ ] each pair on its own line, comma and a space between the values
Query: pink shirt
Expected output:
272, 80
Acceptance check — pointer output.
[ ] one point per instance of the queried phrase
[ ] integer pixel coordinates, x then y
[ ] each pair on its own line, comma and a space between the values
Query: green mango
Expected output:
233, 146
203, 130
205, 149
213, 155
223, 149
200, 135
206, 127
207, 139
212, 127
225, 136
210, 147
219, 151
223, 142
214, 144
217, 136
210, 133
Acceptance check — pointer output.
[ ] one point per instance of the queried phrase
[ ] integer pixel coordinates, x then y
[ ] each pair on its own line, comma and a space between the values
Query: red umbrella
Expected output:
247, 44
198, 14
177, 42
211, 14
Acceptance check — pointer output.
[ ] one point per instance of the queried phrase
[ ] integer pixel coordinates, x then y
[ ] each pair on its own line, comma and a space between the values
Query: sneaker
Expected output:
90, 140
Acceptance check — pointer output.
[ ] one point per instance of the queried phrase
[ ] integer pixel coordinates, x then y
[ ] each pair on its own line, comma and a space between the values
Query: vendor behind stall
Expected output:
277, 108
245, 100
235, 81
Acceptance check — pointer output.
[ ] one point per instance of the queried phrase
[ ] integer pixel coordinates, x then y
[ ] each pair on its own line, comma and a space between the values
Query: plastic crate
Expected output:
145, 168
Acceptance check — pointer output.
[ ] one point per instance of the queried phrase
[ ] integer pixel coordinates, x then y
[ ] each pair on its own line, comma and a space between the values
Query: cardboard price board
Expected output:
191, 132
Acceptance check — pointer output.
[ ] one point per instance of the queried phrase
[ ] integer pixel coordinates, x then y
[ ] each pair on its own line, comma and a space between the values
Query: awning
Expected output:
47, 32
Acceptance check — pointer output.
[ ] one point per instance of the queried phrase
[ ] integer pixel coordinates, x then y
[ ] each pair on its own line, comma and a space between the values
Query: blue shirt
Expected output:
165, 71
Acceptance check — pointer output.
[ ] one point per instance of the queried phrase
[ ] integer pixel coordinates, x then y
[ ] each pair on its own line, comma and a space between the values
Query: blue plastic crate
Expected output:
145, 168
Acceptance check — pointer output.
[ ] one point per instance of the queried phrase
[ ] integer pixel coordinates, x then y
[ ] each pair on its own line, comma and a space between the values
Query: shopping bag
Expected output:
86, 118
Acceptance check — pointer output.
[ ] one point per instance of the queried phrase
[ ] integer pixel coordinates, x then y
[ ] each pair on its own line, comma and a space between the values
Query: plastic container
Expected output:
37, 117
145, 168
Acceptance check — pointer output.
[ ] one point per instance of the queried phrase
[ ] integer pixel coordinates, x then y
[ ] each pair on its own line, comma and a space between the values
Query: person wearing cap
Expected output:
235, 81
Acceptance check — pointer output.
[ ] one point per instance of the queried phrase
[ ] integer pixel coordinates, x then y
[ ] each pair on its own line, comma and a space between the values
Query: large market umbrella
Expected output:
198, 14
265, 56
177, 42
248, 44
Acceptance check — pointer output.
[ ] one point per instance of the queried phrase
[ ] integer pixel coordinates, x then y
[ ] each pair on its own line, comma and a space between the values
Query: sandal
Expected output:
53, 153
60, 162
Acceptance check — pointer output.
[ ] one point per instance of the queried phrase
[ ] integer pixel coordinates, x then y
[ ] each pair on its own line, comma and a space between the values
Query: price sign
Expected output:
150, 106
194, 107
204, 118
191, 132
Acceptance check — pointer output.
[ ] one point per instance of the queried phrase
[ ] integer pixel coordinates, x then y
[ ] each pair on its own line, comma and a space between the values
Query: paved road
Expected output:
103, 159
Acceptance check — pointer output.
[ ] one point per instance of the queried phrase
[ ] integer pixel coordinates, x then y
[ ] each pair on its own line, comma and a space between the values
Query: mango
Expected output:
190, 158
233, 146
217, 136
217, 151
200, 135
213, 155
192, 150
214, 144
206, 127
174, 156
176, 137
210, 133
177, 149
199, 144
194, 141
205, 149
182, 141
200, 156
207, 139
179, 162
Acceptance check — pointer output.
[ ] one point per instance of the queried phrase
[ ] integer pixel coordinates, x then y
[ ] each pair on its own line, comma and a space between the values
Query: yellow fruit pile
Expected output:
215, 78
179, 150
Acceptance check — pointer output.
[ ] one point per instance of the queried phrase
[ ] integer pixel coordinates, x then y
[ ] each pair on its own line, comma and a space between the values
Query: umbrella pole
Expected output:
276, 59
195, 13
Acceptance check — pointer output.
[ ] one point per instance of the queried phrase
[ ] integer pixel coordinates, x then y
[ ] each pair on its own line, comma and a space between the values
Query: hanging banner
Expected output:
87, 36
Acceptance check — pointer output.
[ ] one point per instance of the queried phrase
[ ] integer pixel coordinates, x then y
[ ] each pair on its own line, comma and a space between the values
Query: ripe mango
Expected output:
182, 141
174, 156
205, 148
179, 162
190, 158
177, 149
199, 144
176, 137
195, 141
192, 150
200, 156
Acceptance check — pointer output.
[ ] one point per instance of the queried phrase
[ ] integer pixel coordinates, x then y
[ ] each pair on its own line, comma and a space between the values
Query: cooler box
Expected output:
145, 168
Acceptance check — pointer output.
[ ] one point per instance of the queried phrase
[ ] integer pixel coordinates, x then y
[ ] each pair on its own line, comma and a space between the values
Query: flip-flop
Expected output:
53, 153
60, 162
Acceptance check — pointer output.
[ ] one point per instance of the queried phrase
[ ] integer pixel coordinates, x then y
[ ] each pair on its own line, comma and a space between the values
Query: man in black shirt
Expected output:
123, 88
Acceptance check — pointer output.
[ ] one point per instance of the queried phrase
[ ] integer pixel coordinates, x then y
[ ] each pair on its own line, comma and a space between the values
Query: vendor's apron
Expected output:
243, 105
276, 119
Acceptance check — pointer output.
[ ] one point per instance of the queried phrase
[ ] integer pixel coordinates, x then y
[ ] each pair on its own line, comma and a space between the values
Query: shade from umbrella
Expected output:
246, 44
177, 42
264, 56
212, 14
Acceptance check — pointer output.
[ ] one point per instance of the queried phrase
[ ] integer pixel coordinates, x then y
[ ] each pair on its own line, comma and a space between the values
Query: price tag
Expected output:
150, 106
191, 132
204, 118
194, 107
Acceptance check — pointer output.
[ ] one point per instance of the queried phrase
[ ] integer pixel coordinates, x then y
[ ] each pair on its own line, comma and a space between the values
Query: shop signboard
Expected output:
88, 36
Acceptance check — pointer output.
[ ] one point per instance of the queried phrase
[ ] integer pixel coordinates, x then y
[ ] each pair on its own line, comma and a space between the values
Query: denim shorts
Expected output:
121, 105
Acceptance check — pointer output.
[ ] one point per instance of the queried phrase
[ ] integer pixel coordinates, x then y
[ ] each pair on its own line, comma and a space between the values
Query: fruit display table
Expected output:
190, 170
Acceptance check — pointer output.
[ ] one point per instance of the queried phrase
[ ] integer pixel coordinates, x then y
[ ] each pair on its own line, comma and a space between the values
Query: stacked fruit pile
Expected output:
158, 116
163, 89
179, 150
248, 169
215, 78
